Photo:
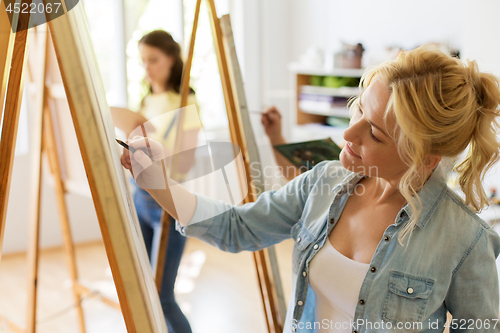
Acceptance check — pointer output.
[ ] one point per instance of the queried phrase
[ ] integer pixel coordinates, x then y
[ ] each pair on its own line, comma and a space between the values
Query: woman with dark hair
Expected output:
161, 57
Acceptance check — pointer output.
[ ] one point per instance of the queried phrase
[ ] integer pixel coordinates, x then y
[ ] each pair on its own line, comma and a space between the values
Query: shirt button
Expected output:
410, 290
316, 246
386, 238
300, 303
298, 240
304, 273
362, 302
332, 220
373, 269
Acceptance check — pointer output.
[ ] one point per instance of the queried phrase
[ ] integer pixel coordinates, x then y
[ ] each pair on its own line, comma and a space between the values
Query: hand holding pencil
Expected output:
148, 167
146, 163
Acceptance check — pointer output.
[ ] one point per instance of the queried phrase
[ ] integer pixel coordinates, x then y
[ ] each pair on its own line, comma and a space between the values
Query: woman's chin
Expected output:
350, 164
346, 160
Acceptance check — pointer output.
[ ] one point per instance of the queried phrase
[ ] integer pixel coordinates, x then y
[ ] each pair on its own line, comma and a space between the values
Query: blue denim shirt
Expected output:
449, 264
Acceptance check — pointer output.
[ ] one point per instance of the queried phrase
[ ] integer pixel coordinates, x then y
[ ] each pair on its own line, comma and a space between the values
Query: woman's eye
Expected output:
373, 136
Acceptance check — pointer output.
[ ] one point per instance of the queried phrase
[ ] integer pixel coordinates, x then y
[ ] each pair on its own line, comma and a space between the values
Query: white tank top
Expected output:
336, 281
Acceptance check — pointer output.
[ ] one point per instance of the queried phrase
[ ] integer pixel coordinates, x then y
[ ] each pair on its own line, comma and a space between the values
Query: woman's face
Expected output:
156, 63
368, 149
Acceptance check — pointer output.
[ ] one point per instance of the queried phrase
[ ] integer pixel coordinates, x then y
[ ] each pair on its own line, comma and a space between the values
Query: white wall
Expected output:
81, 213
374, 23
81, 210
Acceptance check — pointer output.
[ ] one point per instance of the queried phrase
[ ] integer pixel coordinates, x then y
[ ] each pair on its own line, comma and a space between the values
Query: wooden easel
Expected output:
44, 74
135, 286
242, 135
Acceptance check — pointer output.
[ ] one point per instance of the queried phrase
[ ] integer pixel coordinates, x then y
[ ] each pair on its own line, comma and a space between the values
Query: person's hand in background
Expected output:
271, 120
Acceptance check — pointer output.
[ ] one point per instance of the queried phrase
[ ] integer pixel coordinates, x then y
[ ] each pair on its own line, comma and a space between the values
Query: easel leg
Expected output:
261, 289
50, 149
6, 47
13, 53
37, 74
10, 126
266, 286
34, 234
162, 249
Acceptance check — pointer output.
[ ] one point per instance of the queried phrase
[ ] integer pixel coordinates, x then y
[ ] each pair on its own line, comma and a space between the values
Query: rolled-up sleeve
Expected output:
255, 225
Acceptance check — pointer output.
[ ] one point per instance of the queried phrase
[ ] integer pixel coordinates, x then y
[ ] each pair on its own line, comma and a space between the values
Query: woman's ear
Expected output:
171, 61
432, 162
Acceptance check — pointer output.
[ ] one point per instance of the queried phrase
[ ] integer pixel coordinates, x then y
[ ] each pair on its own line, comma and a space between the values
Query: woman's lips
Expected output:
350, 151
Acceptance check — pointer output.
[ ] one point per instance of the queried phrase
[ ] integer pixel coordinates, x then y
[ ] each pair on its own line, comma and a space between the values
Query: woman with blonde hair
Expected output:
381, 242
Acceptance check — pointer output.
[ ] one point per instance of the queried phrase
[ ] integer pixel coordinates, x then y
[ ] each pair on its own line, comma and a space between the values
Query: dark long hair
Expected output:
164, 41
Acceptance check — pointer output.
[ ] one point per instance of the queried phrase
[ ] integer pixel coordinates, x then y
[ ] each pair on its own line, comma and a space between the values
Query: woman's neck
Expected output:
158, 88
383, 191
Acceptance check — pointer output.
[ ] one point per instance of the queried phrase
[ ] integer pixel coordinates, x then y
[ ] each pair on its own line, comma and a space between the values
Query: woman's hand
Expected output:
125, 160
146, 163
271, 120
148, 166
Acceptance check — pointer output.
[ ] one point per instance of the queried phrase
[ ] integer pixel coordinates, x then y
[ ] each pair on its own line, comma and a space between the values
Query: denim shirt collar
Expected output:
430, 195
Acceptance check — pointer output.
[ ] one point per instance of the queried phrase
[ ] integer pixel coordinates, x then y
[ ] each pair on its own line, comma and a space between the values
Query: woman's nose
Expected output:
352, 133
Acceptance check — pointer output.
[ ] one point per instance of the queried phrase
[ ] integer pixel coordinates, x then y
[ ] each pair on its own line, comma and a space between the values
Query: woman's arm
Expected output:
128, 120
252, 226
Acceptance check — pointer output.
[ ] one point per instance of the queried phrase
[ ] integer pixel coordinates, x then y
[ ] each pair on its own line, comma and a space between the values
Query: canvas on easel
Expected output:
118, 220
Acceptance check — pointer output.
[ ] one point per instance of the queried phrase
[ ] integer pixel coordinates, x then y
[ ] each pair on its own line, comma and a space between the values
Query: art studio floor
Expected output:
218, 291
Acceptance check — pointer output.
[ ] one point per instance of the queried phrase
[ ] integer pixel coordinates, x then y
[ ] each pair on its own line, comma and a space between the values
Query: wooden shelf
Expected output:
297, 68
304, 111
314, 131
338, 92
323, 109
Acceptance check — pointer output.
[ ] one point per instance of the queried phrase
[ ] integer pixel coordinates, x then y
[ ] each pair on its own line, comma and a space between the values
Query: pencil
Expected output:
126, 146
